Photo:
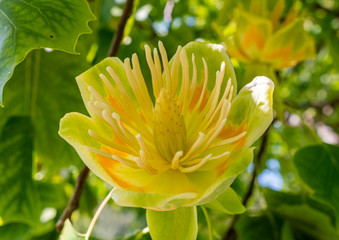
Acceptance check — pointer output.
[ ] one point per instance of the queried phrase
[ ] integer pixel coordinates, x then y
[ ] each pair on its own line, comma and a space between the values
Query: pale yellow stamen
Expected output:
192, 121
100, 104
194, 80
215, 133
172, 88
144, 164
195, 167
110, 144
121, 100
129, 102
231, 95
222, 103
140, 80
165, 64
123, 129
144, 102
195, 145
94, 110
184, 91
196, 161
128, 105
125, 161
220, 156
98, 97
119, 130
155, 80
213, 100
97, 151
229, 140
202, 95
158, 68
121, 88
143, 146
113, 157
175, 160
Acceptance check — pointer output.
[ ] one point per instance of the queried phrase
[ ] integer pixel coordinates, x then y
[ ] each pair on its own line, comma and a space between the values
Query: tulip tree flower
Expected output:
178, 151
256, 35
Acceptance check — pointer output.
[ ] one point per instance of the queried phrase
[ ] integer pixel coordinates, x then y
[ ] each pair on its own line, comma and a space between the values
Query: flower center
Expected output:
169, 126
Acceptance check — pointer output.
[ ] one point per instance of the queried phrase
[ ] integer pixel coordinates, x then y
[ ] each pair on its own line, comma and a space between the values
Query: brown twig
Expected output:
73, 203
113, 50
231, 233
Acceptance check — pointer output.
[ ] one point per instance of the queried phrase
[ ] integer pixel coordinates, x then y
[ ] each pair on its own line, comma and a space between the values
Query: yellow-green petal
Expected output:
91, 78
214, 55
288, 46
74, 129
252, 109
149, 200
238, 163
252, 33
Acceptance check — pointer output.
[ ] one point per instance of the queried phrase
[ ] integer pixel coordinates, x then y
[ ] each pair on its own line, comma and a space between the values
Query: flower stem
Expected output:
97, 214
209, 226
73, 203
118, 35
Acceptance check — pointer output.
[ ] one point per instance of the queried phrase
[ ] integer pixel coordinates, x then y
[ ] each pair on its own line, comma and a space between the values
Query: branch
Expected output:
231, 233
73, 203
113, 50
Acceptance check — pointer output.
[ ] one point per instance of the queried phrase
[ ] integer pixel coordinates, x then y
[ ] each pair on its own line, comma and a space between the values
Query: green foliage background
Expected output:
297, 193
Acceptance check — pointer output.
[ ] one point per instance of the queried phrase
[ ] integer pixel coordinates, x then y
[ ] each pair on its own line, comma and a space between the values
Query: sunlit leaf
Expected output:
180, 223
228, 202
32, 24
69, 233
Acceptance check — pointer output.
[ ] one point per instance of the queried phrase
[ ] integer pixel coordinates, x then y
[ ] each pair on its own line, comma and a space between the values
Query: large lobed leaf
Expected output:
19, 201
31, 24
318, 167
288, 217
44, 88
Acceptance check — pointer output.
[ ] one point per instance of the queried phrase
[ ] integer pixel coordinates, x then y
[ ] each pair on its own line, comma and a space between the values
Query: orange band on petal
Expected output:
253, 37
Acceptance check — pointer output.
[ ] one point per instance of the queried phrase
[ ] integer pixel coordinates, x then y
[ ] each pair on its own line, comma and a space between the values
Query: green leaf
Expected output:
142, 235
69, 233
51, 194
286, 232
17, 231
318, 167
177, 224
305, 216
255, 227
19, 200
228, 202
44, 88
32, 24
